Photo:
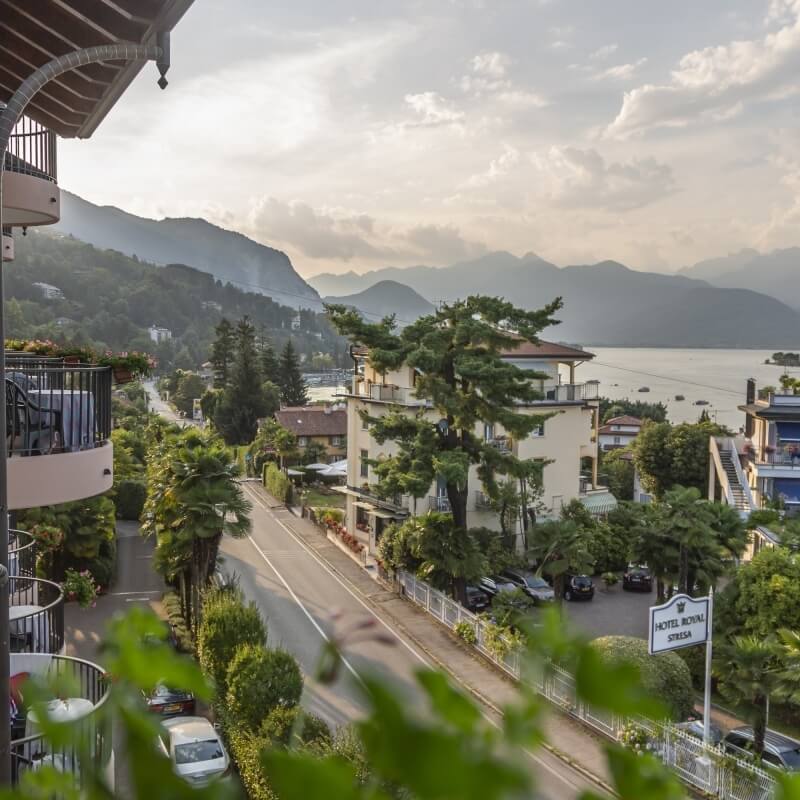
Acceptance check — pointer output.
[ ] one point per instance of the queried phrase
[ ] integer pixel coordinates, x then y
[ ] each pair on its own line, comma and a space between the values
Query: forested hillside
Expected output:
110, 300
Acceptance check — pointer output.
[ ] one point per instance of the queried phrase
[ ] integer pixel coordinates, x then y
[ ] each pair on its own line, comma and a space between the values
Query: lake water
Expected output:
718, 376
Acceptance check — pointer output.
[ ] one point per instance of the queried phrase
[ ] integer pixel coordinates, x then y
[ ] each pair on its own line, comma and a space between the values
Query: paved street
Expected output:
299, 596
613, 612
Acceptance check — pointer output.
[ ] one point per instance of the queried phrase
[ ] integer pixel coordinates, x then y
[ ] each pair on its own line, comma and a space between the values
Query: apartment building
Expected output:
567, 440
619, 432
58, 414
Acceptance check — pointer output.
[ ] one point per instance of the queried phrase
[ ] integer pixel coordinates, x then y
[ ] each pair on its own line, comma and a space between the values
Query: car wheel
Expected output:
568, 595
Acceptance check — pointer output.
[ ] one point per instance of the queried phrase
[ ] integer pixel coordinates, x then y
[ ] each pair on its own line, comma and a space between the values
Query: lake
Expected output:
718, 376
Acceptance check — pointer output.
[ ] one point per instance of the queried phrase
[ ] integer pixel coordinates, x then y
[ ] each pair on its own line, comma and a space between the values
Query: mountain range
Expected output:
385, 298
230, 257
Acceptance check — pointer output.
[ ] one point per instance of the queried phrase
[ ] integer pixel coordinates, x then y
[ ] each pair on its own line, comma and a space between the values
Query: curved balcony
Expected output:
89, 691
57, 431
36, 615
30, 190
21, 554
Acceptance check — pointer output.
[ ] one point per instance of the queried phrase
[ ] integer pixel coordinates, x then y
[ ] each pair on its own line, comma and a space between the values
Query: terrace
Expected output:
58, 428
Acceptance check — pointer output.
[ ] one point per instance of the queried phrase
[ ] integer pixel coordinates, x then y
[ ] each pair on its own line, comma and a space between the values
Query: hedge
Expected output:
245, 748
227, 625
324, 515
665, 676
291, 724
129, 497
172, 605
277, 484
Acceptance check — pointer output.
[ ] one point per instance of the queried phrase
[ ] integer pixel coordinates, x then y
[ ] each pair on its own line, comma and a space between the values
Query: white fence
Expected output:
708, 769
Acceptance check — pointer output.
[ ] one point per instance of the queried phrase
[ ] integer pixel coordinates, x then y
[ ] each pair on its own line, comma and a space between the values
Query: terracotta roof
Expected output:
609, 430
313, 420
547, 350
626, 419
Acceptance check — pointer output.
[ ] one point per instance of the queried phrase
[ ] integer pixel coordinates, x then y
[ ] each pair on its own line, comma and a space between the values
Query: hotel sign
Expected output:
681, 622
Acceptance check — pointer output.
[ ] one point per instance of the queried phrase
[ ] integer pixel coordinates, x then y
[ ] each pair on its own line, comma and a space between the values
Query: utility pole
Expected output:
10, 114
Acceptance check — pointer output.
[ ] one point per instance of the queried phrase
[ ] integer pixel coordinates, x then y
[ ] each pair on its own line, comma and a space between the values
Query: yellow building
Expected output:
566, 440
324, 425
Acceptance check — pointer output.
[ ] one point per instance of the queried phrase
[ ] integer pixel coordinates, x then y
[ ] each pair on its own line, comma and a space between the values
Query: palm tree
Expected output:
747, 669
788, 678
559, 547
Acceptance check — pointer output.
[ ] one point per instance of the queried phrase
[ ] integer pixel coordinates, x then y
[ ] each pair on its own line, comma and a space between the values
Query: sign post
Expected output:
707, 692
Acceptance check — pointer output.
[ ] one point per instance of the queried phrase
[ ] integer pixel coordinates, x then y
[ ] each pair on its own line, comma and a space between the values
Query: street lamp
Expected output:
10, 114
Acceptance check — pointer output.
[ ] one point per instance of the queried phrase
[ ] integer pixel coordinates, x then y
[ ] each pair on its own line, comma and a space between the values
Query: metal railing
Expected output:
36, 611
29, 749
21, 554
439, 503
501, 443
54, 408
780, 458
709, 769
32, 150
569, 392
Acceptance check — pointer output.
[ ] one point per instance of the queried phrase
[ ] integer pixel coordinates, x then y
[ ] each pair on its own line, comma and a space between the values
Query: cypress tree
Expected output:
270, 368
222, 353
293, 387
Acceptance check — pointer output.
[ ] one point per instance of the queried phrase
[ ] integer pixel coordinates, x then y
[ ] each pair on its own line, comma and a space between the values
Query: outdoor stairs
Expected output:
739, 498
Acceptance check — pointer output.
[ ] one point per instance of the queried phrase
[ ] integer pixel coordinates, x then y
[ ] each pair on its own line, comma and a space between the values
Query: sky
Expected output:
358, 134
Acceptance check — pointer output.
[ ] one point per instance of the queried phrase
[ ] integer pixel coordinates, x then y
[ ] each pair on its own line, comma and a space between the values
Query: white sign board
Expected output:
681, 622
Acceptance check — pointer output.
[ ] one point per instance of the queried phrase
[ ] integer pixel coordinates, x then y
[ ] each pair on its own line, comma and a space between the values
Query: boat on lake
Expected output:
701, 402
679, 397
644, 388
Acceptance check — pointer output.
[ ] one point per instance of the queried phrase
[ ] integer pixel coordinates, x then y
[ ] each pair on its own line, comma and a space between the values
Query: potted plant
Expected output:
126, 366
80, 586
610, 579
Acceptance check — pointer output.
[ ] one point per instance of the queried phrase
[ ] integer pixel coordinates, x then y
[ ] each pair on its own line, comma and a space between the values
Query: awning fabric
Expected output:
385, 514
788, 431
788, 489
365, 506
599, 503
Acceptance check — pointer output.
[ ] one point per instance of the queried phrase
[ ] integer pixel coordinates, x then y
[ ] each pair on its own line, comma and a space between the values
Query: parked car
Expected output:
477, 599
496, 584
578, 587
638, 576
195, 749
533, 585
694, 728
171, 702
780, 751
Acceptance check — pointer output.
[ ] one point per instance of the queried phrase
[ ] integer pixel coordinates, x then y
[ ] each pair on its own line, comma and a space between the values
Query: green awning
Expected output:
599, 503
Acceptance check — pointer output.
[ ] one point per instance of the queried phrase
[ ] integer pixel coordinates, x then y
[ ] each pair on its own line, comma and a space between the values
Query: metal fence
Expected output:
32, 150
709, 769
36, 615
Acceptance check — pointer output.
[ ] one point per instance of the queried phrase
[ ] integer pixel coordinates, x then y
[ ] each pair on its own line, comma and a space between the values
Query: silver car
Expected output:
195, 749
533, 585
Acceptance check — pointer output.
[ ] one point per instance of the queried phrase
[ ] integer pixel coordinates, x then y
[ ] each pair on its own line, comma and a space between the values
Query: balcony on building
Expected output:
88, 691
596, 497
439, 502
363, 389
568, 393
58, 428
30, 189
36, 615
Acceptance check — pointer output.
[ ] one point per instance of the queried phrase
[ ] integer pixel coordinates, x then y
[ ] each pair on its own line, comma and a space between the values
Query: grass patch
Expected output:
316, 497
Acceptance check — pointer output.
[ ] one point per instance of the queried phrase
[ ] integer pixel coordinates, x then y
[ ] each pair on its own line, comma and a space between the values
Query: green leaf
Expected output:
637, 777
448, 702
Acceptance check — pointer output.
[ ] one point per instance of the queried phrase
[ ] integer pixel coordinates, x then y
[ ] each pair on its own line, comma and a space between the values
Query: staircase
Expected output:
739, 498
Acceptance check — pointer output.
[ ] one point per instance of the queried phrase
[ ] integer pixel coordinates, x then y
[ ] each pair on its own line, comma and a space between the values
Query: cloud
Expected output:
710, 84
578, 178
498, 168
432, 109
489, 79
442, 243
604, 52
491, 65
620, 72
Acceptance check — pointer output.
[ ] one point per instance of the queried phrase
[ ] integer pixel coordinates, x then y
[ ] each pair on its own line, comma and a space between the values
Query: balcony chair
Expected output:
30, 429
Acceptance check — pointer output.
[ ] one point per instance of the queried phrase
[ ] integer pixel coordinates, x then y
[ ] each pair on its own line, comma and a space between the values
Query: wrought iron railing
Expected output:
36, 615
439, 503
56, 407
88, 682
32, 150
21, 554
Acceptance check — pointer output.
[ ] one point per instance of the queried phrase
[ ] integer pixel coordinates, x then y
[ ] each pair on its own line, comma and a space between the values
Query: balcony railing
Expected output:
32, 151
88, 692
56, 407
439, 503
36, 614
780, 458
570, 392
21, 554
501, 443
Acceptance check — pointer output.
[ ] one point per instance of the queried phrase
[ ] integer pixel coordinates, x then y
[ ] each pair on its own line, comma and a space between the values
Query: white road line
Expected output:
391, 630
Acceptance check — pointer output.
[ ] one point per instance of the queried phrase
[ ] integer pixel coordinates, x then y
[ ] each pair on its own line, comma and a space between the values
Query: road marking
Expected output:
122, 594
560, 776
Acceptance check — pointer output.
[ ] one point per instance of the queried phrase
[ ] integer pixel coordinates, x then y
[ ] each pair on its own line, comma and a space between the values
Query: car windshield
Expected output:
536, 583
196, 752
639, 571
791, 758
583, 580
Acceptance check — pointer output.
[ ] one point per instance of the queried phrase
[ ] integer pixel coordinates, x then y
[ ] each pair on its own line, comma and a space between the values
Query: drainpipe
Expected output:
10, 114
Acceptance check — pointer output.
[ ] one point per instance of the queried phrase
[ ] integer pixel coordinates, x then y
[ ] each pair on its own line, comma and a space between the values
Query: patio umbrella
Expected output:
316, 466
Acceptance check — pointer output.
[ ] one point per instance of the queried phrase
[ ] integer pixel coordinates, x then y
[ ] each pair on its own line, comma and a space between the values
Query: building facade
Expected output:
566, 441
618, 432
317, 425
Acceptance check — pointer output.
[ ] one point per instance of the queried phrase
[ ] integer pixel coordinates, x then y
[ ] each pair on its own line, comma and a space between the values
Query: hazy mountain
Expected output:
713, 268
228, 256
607, 303
387, 297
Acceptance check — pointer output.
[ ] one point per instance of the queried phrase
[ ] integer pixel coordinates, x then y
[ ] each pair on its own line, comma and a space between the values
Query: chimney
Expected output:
750, 397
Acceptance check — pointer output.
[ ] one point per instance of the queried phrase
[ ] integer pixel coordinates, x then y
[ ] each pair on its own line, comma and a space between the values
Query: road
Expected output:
304, 603
156, 404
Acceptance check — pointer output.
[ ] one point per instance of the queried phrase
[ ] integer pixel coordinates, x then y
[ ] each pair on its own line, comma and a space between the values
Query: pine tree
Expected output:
222, 353
270, 368
243, 399
293, 387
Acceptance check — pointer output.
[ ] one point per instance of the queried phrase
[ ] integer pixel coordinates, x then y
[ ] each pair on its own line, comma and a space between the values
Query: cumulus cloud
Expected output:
489, 79
498, 167
432, 109
620, 72
604, 52
442, 243
578, 178
492, 65
714, 82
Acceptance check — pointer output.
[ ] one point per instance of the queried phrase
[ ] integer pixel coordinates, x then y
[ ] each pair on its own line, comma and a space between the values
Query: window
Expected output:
616, 440
337, 441
364, 465
302, 441
488, 432
538, 430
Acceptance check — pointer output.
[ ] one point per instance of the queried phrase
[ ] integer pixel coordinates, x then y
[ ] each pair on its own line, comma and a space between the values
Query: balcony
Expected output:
482, 501
30, 190
36, 616
385, 393
501, 443
58, 431
89, 688
439, 503
569, 393
21, 554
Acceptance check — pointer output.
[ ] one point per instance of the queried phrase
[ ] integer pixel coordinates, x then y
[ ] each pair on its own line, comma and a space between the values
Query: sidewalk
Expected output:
581, 748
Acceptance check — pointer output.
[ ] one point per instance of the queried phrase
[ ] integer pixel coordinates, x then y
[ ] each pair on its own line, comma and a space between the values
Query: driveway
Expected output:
612, 612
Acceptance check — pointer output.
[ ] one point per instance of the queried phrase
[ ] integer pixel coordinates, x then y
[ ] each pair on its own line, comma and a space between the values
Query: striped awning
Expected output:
599, 503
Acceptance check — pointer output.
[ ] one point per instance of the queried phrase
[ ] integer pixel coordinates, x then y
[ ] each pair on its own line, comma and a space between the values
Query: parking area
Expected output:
612, 612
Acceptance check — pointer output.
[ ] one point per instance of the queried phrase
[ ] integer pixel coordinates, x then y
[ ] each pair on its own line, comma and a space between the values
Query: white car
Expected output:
195, 749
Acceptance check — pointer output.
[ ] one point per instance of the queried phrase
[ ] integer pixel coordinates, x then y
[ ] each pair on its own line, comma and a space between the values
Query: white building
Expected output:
159, 335
567, 441
49, 292
619, 432
296, 321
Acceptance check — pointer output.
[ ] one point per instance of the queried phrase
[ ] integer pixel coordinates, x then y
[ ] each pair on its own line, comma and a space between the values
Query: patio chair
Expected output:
30, 429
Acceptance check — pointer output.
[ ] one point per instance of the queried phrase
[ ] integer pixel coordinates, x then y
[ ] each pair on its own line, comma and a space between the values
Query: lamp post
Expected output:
10, 114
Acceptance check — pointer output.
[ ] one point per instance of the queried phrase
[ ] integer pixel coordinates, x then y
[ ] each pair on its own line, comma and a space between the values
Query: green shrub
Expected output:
227, 625
291, 724
326, 515
466, 631
666, 677
172, 607
259, 680
510, 608
277, 484
695, 659
129, 498
245, 749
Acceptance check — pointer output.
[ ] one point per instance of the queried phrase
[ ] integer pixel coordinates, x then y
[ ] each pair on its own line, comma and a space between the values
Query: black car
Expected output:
780, 751
171, 702
578, 587
477, 600
638, 577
